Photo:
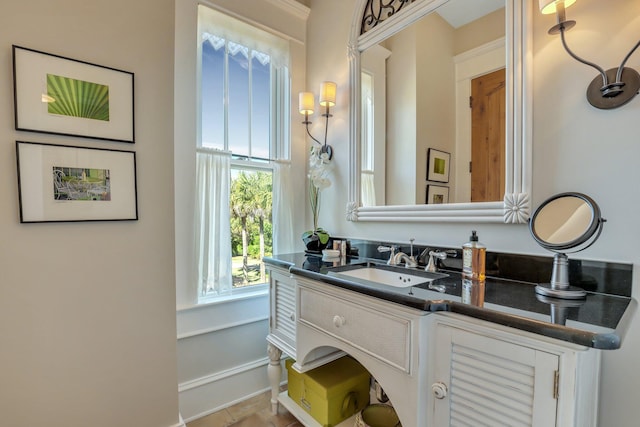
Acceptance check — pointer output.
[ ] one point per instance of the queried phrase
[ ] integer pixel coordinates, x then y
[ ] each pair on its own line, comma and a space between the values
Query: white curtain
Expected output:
226, 27
212, 221
283, 239
367, 189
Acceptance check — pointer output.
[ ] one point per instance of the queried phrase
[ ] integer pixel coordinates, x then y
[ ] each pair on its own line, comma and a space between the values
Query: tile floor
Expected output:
254, 412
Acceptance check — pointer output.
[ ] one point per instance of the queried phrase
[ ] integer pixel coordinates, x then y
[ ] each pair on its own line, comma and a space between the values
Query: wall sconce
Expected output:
625, 82
327, 99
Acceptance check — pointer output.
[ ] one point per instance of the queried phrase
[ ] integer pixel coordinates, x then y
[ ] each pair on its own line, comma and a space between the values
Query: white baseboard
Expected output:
212, 393
181, 422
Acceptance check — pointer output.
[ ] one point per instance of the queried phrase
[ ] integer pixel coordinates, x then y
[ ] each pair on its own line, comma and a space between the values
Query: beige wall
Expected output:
476, 33
575, 148
88, 309
402, 76
422, 62
436, 100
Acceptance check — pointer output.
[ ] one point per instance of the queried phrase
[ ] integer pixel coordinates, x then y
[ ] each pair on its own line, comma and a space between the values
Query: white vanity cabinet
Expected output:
388, 339
486, 374
438, 368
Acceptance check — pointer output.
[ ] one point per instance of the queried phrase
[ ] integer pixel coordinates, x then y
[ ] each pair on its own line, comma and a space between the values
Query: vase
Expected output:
315, 240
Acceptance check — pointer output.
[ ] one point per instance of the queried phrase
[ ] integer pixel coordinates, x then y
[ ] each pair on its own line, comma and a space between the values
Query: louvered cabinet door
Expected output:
283, 311
483, 381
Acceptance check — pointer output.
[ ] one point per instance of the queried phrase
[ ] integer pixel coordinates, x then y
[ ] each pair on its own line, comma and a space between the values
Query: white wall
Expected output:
575, 148
87, 310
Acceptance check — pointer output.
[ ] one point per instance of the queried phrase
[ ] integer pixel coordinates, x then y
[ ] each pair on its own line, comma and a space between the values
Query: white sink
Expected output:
386, 277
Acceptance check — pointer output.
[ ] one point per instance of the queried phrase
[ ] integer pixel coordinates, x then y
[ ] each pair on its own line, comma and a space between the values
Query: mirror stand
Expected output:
559, 286
560, 308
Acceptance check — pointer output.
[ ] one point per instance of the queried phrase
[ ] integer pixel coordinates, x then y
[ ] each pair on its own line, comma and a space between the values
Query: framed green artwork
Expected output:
438, 165
58, 95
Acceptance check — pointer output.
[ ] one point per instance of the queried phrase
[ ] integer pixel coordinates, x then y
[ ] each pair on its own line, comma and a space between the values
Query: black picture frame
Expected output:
437, 194
63, 183
438, 163
58, 95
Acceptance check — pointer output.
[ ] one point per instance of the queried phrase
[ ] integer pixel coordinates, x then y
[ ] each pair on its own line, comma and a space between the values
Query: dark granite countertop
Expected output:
599, 321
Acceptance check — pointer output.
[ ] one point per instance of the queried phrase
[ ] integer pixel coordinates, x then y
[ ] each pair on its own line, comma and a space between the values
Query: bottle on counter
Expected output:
473, 292
473, 258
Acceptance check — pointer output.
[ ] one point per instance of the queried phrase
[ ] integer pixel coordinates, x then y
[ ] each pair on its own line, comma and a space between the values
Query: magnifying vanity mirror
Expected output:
412, 64
565, 222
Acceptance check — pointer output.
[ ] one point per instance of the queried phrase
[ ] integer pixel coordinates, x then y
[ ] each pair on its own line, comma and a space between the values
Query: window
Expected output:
243, 135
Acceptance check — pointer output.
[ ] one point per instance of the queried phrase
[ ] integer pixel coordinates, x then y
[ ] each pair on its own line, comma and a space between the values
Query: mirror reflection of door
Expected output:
488, 137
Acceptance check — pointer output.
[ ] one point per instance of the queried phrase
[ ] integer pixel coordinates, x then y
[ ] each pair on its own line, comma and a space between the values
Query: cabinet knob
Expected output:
292, 316
439, 390
338, 321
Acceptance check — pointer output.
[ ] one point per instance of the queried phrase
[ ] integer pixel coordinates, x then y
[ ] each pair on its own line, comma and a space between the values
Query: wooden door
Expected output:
488, 98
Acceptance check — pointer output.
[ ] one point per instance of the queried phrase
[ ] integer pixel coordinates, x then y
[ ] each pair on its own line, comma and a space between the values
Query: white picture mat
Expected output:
437, 190
31, 69
37, 200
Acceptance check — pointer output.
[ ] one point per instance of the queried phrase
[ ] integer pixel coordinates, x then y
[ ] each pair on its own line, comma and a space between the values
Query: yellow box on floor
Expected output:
330, 393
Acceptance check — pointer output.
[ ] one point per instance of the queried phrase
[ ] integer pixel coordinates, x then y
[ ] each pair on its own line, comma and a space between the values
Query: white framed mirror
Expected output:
513, 206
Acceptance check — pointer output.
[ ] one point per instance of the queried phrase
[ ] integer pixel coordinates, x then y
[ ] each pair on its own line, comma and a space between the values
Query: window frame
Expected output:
279, 140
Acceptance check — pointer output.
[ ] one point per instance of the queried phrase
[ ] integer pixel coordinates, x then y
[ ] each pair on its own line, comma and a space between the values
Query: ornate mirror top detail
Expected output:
377, 11
417, 155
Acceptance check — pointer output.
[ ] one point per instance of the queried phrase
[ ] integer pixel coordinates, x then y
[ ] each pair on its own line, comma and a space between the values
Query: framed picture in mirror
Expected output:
438, 165
437, 194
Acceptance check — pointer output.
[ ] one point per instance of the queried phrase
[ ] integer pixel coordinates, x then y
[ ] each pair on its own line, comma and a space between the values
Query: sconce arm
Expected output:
605, 80
309, 133
324, 147
624, 61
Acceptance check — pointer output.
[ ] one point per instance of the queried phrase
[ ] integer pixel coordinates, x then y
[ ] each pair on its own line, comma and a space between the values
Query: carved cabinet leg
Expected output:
274, 373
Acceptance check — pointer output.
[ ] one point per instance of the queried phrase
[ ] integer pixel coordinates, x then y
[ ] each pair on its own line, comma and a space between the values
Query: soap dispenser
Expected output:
473, 258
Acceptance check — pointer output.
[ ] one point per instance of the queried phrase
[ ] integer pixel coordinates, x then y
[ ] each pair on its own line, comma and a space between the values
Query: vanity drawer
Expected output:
379, 334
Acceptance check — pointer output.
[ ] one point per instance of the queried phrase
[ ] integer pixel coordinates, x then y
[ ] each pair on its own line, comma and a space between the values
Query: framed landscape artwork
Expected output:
437, 194
438, 165
54, 94
64, 183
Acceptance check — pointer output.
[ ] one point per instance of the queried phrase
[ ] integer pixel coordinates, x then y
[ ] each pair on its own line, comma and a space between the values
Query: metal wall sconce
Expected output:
612, 88
327, 100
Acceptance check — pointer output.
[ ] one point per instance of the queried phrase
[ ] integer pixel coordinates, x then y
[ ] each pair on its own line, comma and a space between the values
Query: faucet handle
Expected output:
431, 267
392, 249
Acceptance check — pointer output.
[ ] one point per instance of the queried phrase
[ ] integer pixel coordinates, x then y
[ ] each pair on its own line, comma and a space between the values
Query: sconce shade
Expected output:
306, 103
549, 6
328, 94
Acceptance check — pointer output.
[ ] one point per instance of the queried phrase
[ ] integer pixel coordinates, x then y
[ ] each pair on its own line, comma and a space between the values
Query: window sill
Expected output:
256, 291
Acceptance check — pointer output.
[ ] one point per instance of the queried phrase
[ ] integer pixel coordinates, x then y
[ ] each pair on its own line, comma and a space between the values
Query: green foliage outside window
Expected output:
251, 228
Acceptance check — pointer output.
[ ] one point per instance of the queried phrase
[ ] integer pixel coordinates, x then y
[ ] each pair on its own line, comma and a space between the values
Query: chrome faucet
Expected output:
409, 261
